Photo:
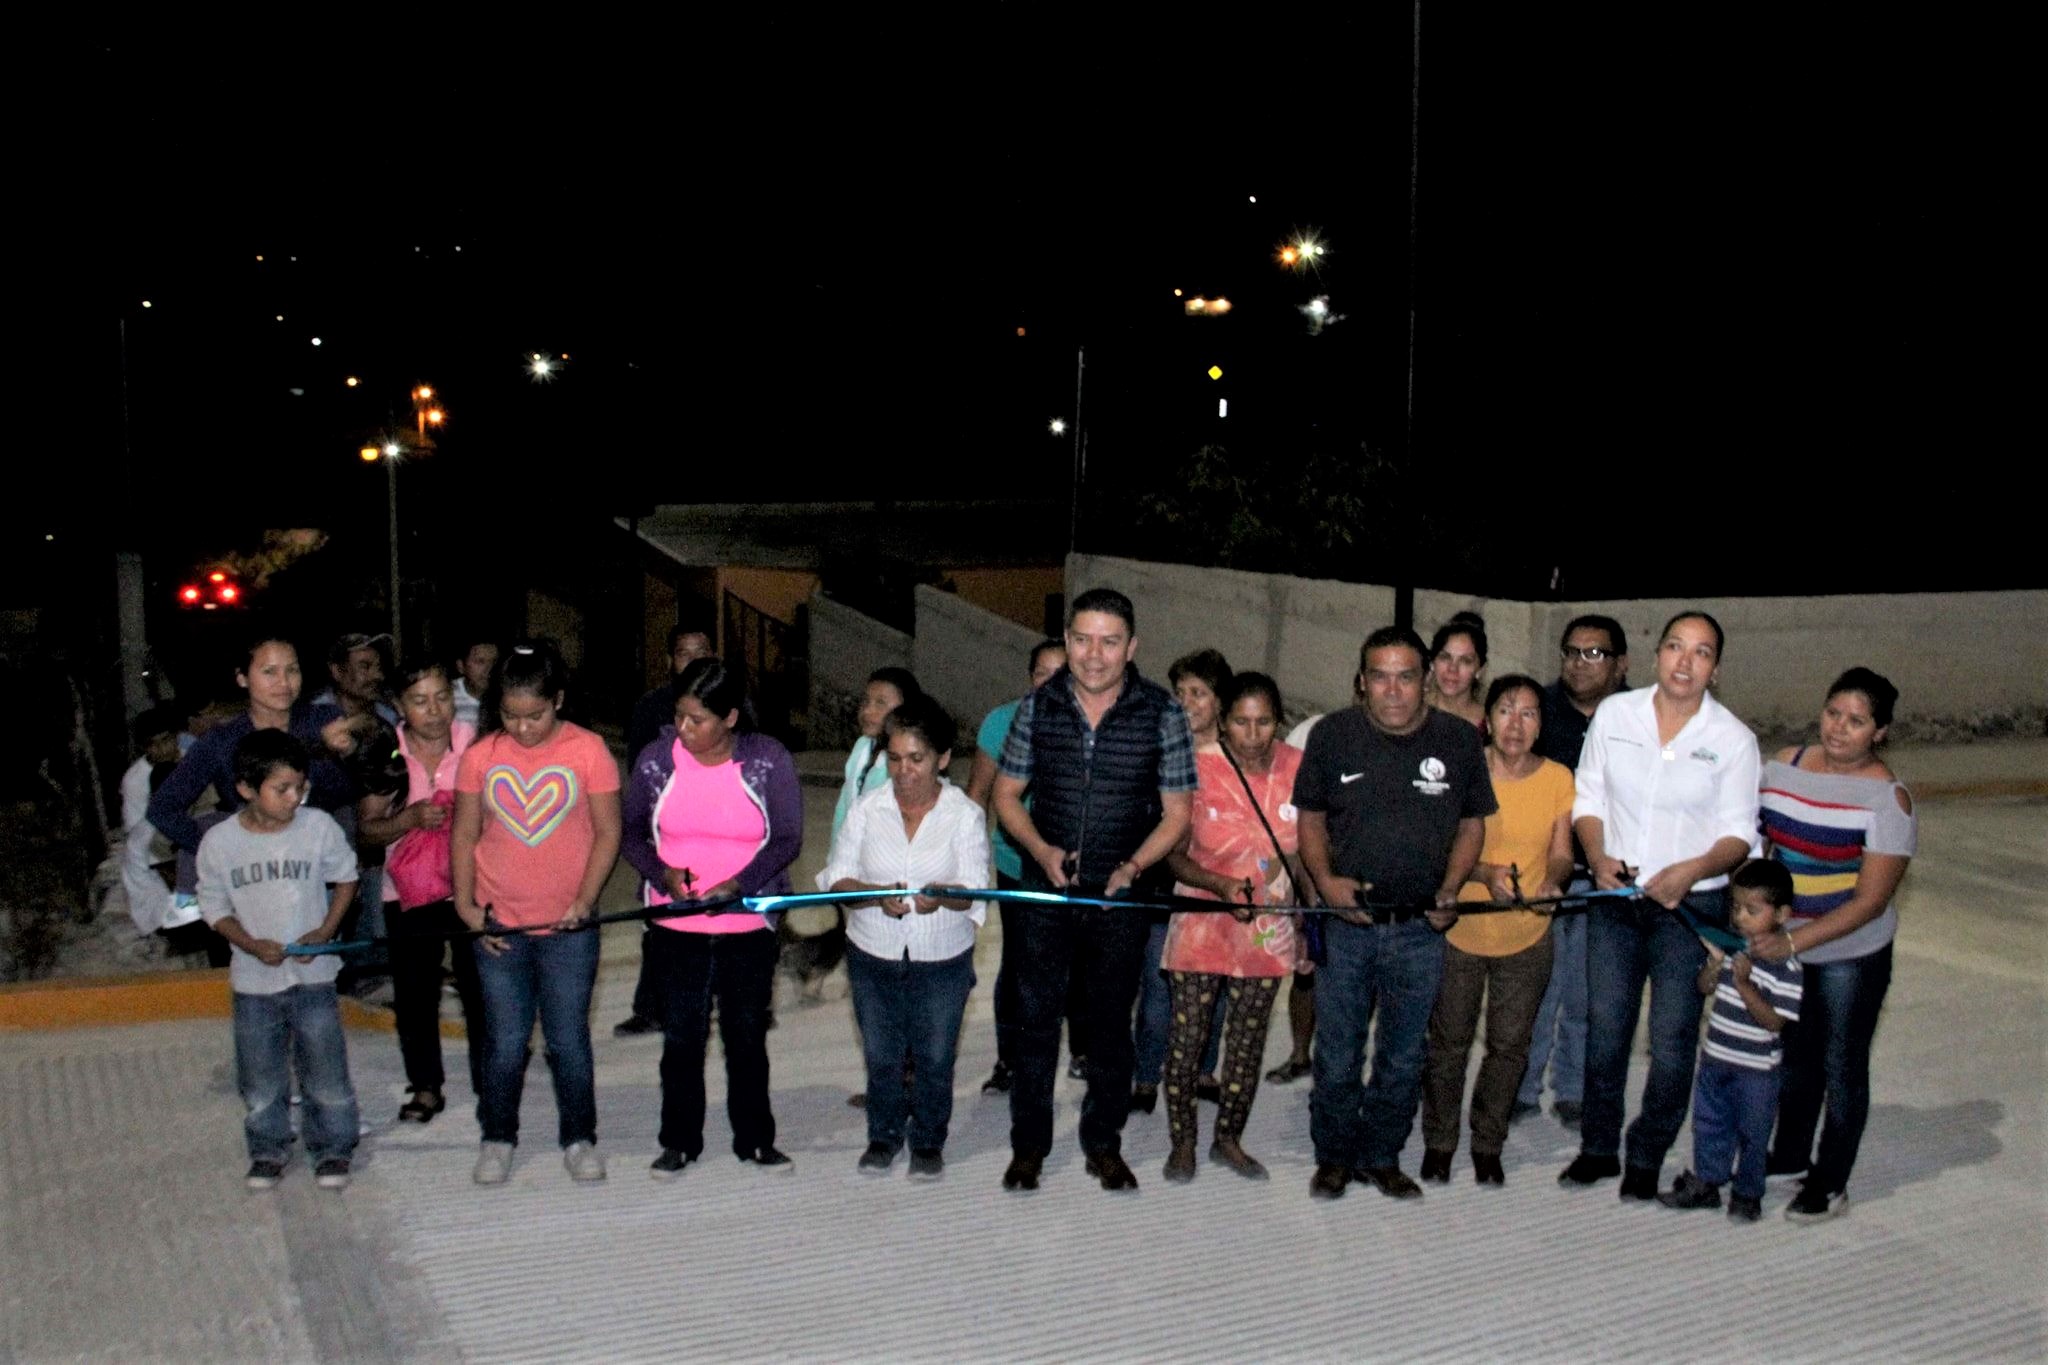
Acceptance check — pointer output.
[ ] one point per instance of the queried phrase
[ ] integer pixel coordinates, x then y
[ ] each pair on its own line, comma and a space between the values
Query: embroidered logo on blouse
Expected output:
1705, 755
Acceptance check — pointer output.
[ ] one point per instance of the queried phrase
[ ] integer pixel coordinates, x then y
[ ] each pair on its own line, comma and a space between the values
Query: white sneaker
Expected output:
585, 1165
493, 1164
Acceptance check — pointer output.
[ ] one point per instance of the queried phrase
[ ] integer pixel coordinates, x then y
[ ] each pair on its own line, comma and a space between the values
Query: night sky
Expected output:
1694, 310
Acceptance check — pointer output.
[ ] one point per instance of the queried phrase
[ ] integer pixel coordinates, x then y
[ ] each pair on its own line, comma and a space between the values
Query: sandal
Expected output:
1288, 1072
422, 1107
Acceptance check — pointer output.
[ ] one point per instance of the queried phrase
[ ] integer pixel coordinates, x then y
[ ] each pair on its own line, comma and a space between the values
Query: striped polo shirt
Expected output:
1735, 1038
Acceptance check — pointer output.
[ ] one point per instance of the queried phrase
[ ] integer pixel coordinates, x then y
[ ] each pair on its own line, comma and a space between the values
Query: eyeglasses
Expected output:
1592, 655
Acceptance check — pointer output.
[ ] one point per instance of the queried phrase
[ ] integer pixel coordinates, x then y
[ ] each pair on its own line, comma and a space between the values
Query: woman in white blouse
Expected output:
910, 958
1667, 801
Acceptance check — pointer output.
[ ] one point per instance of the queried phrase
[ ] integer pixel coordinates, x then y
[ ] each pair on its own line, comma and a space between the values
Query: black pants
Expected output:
1005, 1003
420, 939
739, 971
647, 990
1047, 949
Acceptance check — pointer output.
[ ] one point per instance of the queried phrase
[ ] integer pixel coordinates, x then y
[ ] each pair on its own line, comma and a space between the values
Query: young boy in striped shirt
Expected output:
1735, 1099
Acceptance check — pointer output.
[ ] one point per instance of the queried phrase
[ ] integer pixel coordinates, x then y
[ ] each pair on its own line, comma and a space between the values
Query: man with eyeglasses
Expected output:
1594, 667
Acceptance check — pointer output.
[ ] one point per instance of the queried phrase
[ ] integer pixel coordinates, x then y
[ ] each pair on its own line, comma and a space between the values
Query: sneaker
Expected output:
583, 1162
1521, 1109
1639, 1184
1691, 1192
877, 1159
493, 1164
927, 1163
1389, 1181
264, 1174
1811, 1206
1568, 1112
1022, 1174
1329, 1181
998, 1082
1589, 1170
1113, 1171
771, 1160
1436, 1166
332, 1174
1744, 1209
1077, 1068
1486, 1169
669, 1164
634, 1026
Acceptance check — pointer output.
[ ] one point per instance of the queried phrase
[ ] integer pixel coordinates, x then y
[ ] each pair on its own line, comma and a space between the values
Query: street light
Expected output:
1057, 426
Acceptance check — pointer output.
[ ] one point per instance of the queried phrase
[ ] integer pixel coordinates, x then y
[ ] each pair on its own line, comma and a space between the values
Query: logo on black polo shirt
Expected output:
1431, 783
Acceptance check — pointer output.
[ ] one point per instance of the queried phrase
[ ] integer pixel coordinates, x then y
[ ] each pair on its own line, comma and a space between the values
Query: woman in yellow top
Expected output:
1503, 958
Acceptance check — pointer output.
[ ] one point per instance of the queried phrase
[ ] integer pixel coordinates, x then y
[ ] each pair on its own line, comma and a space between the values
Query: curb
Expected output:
154, 997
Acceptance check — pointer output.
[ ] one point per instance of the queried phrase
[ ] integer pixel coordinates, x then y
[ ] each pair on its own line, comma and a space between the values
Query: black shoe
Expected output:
264, 1173
1785, 1168
1690, 1192
1568, 1112
1113, 1171
634, 1026
1077, 1068
422, 1107
1144, 1098
1744, 1209
1486, 1169
1436, 1166
1180, 1165
998, 1082
1288, 1072
877, 1159
927, 1163
1023, 1172
1639, 1183
1389, 1181
669, 1164
1209, 1091
1329, 1181
858, 1099
332, 1174
1589, 1170
1521, 1109
1811, 1206
769, 1159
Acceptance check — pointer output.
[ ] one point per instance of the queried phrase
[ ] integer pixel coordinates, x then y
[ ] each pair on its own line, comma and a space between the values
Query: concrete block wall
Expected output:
968, 657
1965, 663
846, 646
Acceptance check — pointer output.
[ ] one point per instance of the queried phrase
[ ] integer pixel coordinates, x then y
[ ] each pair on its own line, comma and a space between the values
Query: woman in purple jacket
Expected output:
713, 810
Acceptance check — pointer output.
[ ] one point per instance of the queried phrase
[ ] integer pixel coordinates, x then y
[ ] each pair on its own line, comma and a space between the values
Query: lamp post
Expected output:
389, 452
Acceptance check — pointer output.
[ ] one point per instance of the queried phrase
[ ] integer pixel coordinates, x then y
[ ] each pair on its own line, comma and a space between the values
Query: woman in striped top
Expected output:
1844, 826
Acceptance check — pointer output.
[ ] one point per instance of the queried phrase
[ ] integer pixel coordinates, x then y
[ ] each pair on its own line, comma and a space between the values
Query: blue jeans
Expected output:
1046, 949
1155, 1017
1627, 946
909, 1012
1559, 1038
1827, 1061
1732, 1109
298, 1029
738, 971
552, 975
1359, 1124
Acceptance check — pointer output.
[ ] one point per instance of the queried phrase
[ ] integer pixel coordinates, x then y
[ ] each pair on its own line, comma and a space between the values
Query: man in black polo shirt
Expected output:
1392, 797
1110, 765
1593, 668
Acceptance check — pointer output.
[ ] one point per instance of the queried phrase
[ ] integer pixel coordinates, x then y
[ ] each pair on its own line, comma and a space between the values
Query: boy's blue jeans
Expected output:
294, 1030
1733, 1108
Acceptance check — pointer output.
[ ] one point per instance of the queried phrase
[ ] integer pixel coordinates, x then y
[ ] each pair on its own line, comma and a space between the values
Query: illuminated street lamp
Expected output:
1057, 426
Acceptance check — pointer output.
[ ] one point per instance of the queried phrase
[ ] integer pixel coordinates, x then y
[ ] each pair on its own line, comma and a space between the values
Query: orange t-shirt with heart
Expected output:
537, 830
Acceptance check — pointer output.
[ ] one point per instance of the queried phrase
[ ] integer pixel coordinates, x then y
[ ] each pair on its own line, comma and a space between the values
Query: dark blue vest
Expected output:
1099, 800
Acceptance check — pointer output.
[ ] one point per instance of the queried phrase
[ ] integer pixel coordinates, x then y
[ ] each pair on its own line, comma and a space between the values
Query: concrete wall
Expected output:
969, 658
1965, 663
845, 648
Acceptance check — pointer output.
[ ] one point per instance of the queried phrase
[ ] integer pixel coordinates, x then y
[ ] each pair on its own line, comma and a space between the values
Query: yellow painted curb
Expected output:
153, 997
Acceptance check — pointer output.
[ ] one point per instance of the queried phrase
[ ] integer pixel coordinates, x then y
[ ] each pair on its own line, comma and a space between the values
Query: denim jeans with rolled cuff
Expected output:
295, 1030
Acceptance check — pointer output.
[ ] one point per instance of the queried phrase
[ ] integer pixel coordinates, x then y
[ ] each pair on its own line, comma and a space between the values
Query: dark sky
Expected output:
1730, 303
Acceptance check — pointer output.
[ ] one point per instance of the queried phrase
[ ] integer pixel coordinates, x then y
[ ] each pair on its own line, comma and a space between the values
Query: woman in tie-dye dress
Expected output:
1230, 856
536, 832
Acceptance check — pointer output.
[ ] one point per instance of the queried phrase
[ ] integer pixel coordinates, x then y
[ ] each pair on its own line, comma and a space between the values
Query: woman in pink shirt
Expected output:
414, 825
714, 811
536, 833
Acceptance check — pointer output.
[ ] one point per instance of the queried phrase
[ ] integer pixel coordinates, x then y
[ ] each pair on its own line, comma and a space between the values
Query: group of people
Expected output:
1536, 853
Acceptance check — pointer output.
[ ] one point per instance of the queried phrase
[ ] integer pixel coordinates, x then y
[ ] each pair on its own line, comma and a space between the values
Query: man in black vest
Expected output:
1110, 764
1393, 798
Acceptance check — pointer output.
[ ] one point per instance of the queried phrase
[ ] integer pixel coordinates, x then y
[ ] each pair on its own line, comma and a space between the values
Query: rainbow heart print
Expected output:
530, 807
